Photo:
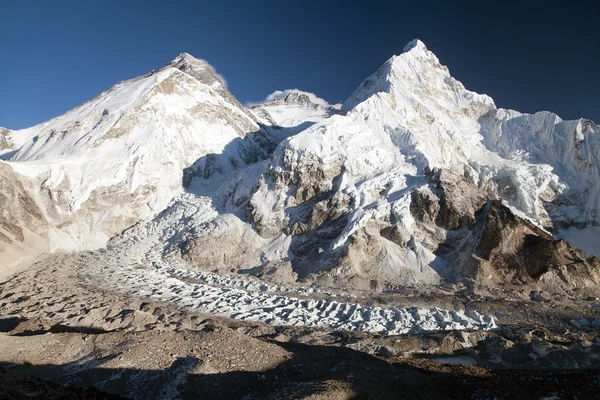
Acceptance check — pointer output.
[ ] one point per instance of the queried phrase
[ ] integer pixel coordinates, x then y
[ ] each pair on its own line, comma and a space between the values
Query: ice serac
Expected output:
120, 157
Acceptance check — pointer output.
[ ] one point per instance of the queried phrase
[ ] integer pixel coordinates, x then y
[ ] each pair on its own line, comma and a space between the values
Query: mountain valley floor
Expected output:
63, 337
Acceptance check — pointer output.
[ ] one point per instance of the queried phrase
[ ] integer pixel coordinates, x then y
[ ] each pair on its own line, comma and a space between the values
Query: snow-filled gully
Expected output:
252, 301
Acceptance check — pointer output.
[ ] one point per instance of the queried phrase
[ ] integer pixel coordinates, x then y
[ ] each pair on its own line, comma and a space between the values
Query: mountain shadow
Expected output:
310, 371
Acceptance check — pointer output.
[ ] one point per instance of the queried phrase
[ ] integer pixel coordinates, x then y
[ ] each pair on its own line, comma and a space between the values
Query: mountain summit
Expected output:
415, 43
119, 157
198, 69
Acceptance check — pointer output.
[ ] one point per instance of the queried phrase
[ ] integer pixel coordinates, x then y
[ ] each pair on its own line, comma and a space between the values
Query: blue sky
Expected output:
528, 56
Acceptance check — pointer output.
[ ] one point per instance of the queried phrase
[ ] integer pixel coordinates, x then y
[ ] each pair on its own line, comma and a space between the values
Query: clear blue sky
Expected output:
528, 56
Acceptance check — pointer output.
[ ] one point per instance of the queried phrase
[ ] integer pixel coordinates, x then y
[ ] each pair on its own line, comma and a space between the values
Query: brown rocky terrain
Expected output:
59, 329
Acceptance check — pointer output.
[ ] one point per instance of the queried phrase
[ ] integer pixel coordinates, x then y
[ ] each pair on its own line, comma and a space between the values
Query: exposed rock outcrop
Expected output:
506, 250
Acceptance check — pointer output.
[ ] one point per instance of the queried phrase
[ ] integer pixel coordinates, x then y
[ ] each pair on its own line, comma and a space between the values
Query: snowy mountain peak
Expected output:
121, 156
296, 97
184, 56
292, 109
415, 43
414, 76
198, 69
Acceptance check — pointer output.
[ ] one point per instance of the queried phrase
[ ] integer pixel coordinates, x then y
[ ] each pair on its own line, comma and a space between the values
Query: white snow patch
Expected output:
586, 238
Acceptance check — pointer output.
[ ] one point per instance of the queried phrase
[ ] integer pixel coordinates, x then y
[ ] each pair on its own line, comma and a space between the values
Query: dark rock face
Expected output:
506, 250
487, 242
460, 199
300, 99
424, 206
516, 247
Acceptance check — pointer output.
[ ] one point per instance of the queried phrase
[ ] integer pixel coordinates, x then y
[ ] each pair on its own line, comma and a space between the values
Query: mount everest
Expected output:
414, 180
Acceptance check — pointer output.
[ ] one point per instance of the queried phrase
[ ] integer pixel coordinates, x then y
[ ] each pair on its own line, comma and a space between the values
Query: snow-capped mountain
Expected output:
350, 186
401, 189
414, 180
290, 111
120, 157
